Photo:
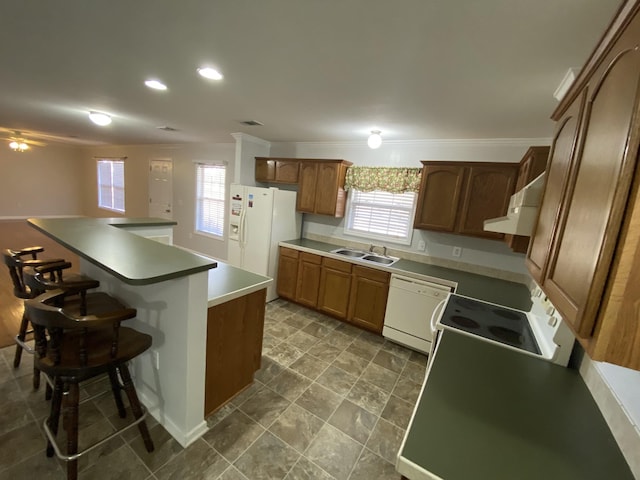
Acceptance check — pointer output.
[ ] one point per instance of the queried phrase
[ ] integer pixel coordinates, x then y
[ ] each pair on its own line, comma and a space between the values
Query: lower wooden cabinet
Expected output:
234, 347
341, 289
287, 273
335, 284
368, 298
308, 282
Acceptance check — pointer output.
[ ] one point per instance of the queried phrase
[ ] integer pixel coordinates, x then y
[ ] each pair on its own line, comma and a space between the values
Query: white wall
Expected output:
43, 181
247, 149
184, 192
475, 251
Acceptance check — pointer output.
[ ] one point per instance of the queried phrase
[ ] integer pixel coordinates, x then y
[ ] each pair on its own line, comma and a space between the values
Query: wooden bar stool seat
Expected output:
71, 348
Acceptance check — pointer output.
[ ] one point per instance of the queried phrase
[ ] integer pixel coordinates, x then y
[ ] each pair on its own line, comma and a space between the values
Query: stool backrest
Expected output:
51, 323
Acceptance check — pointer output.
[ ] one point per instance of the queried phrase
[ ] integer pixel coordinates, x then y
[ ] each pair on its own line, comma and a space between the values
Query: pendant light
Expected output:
374, 140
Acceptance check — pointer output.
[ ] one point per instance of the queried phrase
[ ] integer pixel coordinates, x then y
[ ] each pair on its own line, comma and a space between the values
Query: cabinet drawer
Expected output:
336, 264
310, 258
371, 274
289, 252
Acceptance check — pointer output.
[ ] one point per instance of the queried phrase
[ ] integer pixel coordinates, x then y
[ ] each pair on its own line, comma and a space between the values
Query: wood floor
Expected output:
16, 235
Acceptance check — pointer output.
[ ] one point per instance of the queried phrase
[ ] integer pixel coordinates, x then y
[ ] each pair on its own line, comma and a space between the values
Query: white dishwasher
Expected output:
410, 304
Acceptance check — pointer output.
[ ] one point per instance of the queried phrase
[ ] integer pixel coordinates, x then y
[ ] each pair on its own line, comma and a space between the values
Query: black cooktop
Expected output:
493, 322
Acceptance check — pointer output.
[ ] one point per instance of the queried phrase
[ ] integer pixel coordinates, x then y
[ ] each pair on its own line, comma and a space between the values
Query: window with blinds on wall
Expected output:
111, 184
381, 215
210, 198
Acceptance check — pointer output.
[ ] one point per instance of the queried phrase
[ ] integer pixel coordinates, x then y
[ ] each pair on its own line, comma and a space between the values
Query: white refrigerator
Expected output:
260, 218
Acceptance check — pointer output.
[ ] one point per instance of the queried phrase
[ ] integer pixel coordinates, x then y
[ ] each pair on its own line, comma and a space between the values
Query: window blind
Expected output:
111, 184
381, 214
210, 198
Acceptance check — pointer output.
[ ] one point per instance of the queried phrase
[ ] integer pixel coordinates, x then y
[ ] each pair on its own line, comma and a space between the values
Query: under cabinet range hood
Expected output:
522, 211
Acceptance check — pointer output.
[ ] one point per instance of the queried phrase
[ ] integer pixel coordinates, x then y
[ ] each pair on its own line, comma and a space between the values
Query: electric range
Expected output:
540, 332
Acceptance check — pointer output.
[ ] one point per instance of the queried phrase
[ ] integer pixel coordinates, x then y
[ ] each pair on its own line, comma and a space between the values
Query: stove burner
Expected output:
507, 335
469, 304
465, 321
508, 314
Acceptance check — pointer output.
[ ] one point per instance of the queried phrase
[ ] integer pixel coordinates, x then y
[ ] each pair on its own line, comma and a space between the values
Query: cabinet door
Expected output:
556, 181
308, 279
286, 171
487, 193
440, 192
287, 273
591, 220
368, 302
335, 284
327, 188
265, 170
307, 177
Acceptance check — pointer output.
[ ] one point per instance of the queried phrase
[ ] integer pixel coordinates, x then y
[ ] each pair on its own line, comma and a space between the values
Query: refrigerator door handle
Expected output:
242, 235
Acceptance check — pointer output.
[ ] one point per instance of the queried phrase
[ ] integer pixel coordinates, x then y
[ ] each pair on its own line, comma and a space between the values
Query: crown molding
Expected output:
515, 142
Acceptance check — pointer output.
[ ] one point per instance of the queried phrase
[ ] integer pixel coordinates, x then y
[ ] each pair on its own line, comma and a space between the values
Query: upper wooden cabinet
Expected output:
458, 197
531, 166
277, 170
586, 248
320, 182
321, 187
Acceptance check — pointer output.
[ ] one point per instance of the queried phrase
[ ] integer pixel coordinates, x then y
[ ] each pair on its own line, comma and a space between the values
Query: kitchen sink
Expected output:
349, 253
379, 259
366, 257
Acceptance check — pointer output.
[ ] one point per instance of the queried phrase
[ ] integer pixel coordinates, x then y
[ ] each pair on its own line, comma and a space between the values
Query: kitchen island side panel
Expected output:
170, 376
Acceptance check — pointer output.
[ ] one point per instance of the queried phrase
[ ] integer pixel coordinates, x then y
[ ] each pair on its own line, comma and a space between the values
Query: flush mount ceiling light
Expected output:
18, 146
101, 119
210, 73
374, 140
155, 84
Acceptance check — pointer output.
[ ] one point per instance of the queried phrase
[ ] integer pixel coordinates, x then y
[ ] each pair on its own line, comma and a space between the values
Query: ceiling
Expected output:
309, 70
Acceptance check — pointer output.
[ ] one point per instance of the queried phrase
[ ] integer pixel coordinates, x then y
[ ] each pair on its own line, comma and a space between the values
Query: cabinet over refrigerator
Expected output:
260, 218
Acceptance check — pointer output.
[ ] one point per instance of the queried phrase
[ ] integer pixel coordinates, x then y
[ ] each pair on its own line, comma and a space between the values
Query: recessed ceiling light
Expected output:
210, 73
155, 84
101, 119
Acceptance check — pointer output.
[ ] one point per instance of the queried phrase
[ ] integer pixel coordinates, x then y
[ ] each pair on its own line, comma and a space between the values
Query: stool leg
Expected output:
115, 388
71, 425
22, 334
36, 378
54, 415
135, 406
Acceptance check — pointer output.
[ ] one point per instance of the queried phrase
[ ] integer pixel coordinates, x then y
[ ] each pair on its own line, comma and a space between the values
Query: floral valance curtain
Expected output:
386, 179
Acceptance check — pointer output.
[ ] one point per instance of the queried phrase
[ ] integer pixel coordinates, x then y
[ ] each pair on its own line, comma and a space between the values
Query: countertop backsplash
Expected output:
616, 390
427, 259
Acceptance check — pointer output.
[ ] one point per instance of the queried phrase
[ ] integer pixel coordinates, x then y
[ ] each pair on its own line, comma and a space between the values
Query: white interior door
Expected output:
161, 188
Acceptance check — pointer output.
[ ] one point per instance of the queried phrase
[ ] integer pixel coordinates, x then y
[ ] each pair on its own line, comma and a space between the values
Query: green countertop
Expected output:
487, 412
227, 282
133, 259
503, 292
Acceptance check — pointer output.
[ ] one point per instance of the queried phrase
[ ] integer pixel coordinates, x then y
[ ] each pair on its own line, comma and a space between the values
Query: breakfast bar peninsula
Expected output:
206, 317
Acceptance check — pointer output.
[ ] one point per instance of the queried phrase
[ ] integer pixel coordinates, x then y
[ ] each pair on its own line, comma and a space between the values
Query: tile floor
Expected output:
330, 402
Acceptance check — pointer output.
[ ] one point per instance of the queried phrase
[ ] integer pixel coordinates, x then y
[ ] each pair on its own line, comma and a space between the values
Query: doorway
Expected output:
161, 188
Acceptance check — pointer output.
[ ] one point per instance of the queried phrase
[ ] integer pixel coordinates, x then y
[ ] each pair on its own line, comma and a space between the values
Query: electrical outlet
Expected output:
457, 251
422, 245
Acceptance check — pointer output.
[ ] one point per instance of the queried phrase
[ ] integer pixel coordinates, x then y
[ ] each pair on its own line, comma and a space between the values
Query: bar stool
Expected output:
15, 261
73, 348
